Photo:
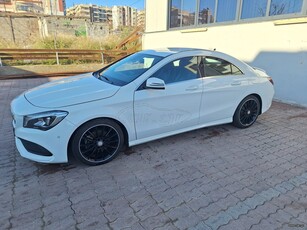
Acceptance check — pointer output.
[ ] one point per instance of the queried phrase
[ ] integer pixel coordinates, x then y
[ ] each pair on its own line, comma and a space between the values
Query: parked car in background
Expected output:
146, 96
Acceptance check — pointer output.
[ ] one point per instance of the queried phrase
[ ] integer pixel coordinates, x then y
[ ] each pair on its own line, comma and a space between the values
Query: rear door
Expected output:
224, 88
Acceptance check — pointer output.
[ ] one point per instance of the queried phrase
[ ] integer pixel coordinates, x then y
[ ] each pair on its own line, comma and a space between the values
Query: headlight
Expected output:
45, 120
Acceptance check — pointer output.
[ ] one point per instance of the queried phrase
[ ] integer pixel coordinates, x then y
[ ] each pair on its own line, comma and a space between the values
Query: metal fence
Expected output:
57, 55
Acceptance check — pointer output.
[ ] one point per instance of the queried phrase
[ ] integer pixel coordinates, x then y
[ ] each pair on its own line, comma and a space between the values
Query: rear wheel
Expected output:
247, 112
97, 142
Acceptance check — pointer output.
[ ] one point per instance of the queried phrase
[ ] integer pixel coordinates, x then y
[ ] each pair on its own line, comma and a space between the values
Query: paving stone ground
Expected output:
213, 178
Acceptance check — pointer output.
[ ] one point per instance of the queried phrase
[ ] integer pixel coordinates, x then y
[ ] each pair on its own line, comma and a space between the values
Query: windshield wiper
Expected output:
101, 76
98, 76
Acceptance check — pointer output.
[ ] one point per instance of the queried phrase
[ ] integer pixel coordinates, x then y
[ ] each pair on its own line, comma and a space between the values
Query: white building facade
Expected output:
269, 34
123, 16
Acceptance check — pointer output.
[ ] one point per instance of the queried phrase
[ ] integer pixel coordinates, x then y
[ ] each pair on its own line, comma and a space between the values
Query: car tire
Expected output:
97, 142
247, 112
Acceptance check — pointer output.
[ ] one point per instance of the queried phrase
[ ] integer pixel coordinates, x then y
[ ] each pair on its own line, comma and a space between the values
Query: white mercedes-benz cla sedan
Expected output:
145, 96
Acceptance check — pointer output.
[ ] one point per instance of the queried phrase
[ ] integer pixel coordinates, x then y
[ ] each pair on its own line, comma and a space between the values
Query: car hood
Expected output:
70, 91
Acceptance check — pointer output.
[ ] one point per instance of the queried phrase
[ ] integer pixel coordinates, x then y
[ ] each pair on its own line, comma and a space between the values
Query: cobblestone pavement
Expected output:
214, 178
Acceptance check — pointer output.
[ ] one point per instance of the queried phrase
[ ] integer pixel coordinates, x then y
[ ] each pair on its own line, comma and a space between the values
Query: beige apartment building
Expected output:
116, 16
47, 7
93, 12
141, 18
269, 34
124, 16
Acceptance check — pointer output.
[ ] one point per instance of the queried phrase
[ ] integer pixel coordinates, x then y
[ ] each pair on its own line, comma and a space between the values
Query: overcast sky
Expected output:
139, 4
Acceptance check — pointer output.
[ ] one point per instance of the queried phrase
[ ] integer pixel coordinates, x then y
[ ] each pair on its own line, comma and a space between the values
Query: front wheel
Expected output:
247, 112
97, 142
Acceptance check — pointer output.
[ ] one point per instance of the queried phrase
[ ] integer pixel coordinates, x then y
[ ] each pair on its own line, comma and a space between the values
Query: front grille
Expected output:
35, 148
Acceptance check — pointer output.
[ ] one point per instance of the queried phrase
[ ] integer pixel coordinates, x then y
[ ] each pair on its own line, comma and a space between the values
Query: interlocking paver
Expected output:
148, 211
244, 193
156, 221
237, 210
213, 178
220, 219
264, 224
266, 209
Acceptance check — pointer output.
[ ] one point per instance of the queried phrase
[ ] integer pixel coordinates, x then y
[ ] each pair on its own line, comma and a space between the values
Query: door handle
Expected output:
236, 83
192, 88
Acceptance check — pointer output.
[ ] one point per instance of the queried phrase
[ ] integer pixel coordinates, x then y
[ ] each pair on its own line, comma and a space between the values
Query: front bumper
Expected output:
54, 141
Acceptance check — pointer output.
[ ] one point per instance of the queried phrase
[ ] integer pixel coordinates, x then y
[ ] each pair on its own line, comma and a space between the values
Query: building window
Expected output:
175, 13
279, 7
254, 8
182, 13
226, 10
188, 12
206, 11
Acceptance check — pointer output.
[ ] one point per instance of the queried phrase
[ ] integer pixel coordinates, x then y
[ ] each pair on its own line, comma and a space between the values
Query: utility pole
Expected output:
12, 29
10, 20
56, 26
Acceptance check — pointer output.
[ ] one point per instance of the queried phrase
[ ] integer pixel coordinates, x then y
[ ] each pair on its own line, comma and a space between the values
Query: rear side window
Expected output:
217, 67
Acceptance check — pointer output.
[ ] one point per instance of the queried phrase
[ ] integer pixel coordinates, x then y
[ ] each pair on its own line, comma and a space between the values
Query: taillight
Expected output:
271, 80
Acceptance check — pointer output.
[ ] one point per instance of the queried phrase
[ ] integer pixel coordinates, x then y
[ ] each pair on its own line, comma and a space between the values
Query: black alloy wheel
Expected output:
247, 112
97, 142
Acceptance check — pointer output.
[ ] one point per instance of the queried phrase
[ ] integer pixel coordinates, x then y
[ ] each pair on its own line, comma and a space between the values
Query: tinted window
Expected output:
128, 69
253, 8
206, 11
285, 7
179, 70
226, 10
216, 66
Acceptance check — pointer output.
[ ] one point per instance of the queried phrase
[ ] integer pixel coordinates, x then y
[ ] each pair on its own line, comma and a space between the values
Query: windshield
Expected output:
128, 69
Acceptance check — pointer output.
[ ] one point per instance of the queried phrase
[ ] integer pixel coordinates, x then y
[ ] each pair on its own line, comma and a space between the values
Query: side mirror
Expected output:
155, 83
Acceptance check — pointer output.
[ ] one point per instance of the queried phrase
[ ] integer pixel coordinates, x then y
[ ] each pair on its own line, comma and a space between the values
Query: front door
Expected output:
159, 112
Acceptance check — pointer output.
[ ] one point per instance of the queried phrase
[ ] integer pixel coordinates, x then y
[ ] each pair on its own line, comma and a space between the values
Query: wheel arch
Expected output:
124, 129
260, 101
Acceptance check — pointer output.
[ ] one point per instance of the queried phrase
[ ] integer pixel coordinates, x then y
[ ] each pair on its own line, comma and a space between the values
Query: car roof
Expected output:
164, 52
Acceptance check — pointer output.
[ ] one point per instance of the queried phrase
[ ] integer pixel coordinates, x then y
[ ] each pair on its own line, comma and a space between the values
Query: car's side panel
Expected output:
190, 128
119, 108
221, 96
162, 111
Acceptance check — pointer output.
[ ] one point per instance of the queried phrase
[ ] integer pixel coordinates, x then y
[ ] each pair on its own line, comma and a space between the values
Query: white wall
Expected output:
156, 15
279, 49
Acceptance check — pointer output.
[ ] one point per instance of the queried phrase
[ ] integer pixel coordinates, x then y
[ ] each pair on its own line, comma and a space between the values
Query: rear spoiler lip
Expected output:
264, 74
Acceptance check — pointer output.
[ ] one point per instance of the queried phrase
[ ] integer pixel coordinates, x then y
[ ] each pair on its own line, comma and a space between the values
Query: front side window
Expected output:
253, 8
182, 69
217, 67
128, 69
279, 7
226, 10
206, 11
